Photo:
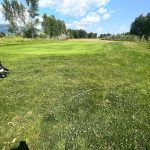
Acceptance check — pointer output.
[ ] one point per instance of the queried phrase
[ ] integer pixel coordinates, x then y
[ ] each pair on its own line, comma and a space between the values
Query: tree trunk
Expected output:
142, 38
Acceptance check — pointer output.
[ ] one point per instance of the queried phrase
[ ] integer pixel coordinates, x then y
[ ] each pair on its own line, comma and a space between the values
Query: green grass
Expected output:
75, 95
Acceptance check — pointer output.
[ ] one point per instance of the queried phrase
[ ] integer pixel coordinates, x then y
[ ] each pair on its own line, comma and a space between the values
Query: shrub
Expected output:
122, 37
2, 34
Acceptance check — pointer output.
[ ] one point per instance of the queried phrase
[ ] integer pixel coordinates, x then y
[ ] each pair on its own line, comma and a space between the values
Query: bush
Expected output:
122, 37
30, 33
42, 36
2, 34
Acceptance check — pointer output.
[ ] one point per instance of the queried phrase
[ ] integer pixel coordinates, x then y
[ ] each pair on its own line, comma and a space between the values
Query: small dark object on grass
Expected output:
3, 71
23, 146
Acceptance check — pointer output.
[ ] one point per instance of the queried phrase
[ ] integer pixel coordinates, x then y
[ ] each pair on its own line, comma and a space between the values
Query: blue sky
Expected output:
101, 16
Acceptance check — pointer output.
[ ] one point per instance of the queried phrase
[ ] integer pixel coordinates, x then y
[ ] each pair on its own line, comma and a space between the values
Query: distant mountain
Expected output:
4, 28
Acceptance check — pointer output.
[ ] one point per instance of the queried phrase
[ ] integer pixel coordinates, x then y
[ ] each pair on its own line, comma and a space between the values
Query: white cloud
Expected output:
84, 13
90, 20
102, 10
2, 19
46, 3
73, 7
106, 16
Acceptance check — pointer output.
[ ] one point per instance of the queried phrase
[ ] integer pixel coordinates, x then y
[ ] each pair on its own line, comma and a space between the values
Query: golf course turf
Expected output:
75, 95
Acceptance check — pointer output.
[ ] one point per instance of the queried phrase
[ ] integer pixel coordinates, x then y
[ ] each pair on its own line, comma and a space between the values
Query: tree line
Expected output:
80, 34
119, 37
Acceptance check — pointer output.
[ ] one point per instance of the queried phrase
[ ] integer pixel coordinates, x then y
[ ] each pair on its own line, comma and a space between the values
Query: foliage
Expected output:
32, 8
29, 31
105, 35
53, 27
41, 35
14, 12
2, 34
78, 34
141, 26
119, 37
91, 35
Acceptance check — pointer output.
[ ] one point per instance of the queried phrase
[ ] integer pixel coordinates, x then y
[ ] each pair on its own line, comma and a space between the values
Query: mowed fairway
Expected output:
75, 95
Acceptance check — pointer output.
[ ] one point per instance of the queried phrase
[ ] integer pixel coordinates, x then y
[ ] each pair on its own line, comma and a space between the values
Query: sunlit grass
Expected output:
75, 95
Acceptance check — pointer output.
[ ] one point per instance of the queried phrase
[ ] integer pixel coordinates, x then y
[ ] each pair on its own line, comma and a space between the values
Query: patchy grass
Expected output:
75, 95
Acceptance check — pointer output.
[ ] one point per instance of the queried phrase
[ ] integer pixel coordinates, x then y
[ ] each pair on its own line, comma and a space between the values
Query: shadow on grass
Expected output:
13, 44
22, 146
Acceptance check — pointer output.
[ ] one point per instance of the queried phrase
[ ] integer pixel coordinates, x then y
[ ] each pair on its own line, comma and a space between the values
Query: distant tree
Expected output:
45, 25
76, 34
105, 35
61, 27
2, 34
148, 25
32, 7
14, 13
70, 33
140, 27
53, 27
82, 33
92, 35
30, 30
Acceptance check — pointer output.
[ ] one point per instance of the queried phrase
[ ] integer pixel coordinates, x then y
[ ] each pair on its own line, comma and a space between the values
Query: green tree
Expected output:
148, 25
45, 24
29, 29
140, 27
32, 7
14, 13
53, 27
92, 35
82, 33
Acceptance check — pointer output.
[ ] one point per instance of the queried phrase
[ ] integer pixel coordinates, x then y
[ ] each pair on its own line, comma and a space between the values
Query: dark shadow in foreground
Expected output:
22, 146
3, 71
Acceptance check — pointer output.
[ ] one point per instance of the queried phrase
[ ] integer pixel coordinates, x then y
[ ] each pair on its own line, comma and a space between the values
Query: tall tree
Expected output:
53, 27
14, 13
148, 25
140, 27
32, 7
